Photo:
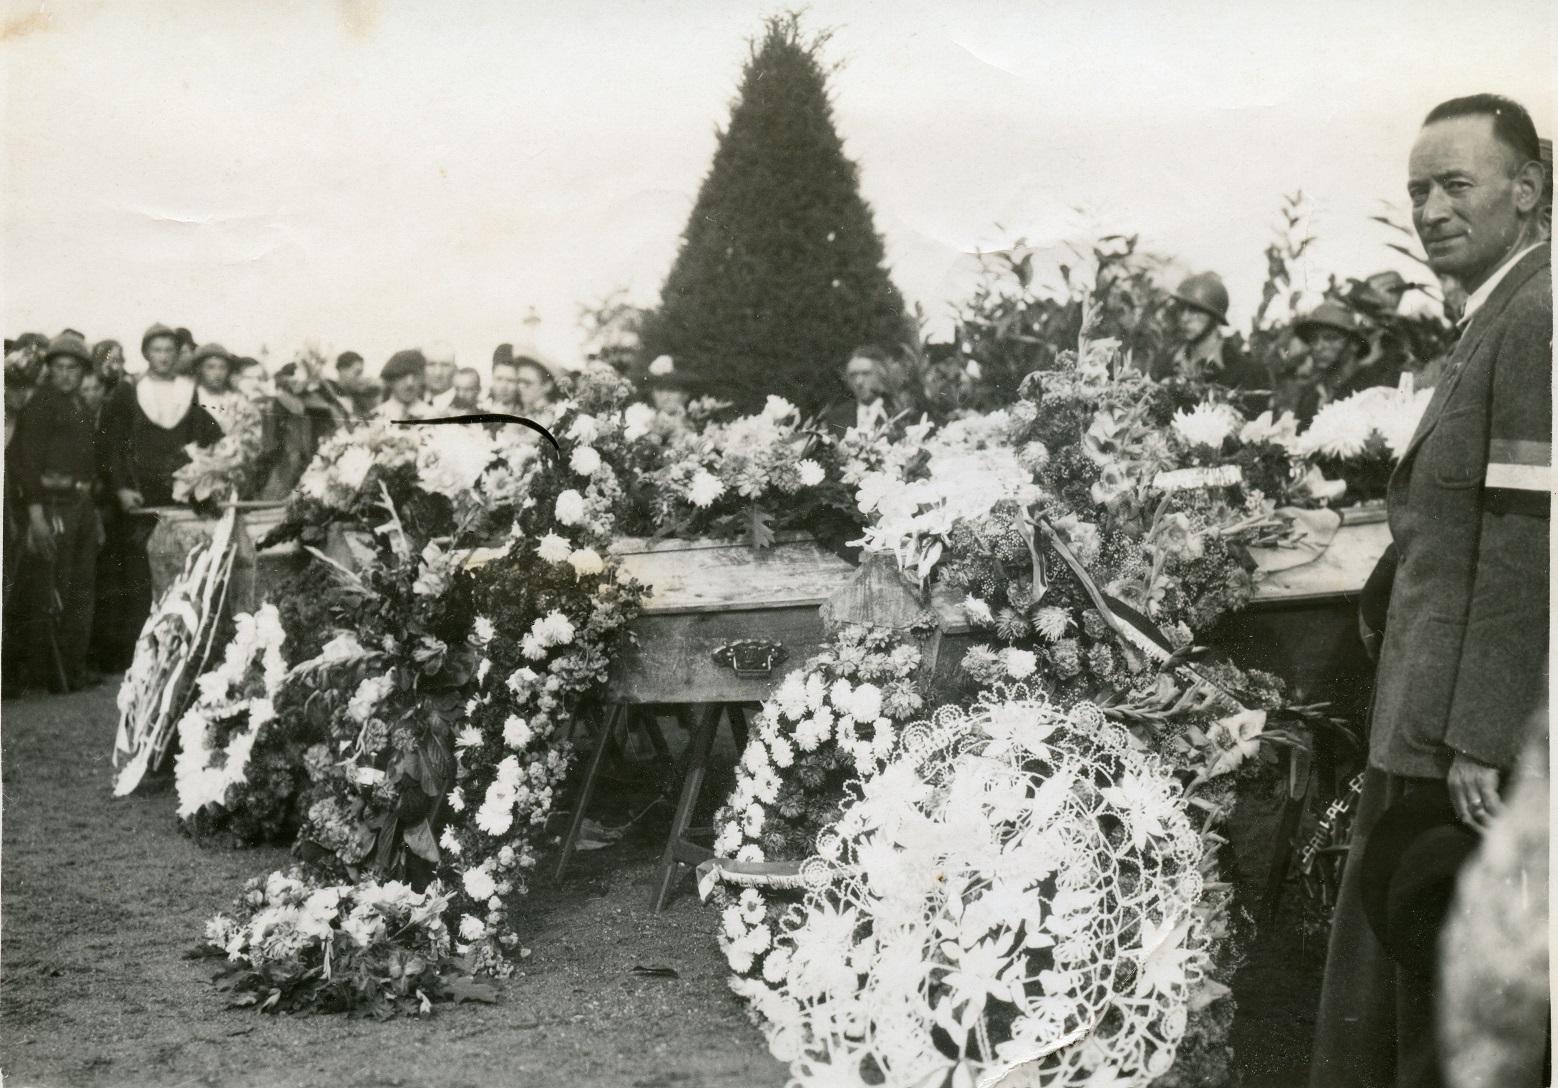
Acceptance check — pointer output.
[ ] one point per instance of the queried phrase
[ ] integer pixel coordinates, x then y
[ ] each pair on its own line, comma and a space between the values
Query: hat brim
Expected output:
81, 357
1221, 319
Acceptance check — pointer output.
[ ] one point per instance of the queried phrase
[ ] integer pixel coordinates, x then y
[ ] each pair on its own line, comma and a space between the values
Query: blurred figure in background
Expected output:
504, 395
53, 457
213, 375
108, 359
439, 377
865, 376
94, 392
146, 424
296, 422
535, 384
1332, 368
185, 365
403, 378
352, 387
1204, 354
466, 391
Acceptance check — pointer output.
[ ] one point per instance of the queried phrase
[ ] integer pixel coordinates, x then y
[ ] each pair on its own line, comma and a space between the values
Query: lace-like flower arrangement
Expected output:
1014, 891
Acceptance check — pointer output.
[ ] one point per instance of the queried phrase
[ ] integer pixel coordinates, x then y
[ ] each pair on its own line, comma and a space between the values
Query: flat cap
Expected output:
403, 363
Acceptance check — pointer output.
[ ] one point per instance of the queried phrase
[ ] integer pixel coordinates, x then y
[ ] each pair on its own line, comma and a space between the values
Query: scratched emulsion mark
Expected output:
486, 417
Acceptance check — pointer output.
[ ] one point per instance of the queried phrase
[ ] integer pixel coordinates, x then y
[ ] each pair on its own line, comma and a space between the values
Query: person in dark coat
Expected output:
53, 460
866, 407
146, 425
1204, 354
1463, 664
1337, 365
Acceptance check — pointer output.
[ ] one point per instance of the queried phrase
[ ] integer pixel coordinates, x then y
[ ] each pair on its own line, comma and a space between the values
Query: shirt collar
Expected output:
1478, 298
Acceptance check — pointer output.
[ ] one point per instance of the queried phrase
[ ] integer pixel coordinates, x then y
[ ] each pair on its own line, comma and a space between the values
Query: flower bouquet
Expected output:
1359, 439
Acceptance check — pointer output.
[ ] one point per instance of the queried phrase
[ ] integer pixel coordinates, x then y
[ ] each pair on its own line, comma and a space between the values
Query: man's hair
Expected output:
287, 371
1511, 123
77, 333
872, 352
468, 371
101, 349
347, 358
509, 362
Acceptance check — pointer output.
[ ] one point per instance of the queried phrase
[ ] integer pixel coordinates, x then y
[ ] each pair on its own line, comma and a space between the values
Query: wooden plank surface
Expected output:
692, 576
672, 658
1338, 571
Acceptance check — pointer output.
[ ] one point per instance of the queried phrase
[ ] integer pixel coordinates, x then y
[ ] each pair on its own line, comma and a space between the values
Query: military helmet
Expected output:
1331, 314
1204, 291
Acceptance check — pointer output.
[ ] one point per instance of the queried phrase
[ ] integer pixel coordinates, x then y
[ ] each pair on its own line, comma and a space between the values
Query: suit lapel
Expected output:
1471, 340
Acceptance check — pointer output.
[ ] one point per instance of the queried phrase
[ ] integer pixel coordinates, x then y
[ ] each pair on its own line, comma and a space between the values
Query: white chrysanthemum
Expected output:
839, 694
532, 647
517, 732
352, 468
554, 629
636, 421
704, 489
1051, 622
449, 842
1283, 431
584, 429
586, 562
478, 883
472, 928
554, 548
1206, 424
811, 473
482, 630
782, 751
977, 610
1020, 664
585, 461
469, 737
570, 508
865, 703
662, 365
776, 408
1339, 430
369, 694
457, 800
451, 459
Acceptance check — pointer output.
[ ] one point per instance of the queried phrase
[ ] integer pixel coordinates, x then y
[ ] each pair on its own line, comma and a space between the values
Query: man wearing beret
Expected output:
54, 463
1463, 663
403, 386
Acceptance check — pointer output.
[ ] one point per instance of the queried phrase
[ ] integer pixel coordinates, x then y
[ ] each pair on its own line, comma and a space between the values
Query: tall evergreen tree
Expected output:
780, 272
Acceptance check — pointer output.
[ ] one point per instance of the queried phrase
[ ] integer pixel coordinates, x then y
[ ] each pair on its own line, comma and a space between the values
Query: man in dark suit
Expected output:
1464, 656
866, 407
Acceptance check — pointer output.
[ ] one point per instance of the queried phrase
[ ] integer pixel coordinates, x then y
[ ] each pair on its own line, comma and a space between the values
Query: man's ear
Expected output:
1530, 180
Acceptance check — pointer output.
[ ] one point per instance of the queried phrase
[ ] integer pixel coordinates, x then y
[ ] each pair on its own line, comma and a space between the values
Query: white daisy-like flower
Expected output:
636, 421
1020, 664
456, 800
532, 647
478, 883
811, 472
449, 842
472, 928
1206, 424
469, 737
662, 365
777, 408
554, 548
728, 840
1051, 622
865, 703
585, 461
482, 630
782, 752
554, 628
584, 429
704, 489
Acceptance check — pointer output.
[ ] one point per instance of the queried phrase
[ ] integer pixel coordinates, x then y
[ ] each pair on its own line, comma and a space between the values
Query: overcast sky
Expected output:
378, 175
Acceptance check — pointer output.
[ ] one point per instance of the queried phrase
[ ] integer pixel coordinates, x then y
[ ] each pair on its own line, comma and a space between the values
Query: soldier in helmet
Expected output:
1204, 353
1338, 363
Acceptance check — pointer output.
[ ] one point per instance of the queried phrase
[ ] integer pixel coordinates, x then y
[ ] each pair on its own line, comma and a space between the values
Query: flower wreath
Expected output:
218, 732
1018, 885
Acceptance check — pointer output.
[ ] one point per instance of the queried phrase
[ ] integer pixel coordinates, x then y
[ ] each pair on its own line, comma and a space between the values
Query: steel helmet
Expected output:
1331, 314
1204, 291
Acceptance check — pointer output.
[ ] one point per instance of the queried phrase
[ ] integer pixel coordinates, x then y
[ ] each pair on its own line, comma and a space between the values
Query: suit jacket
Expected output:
1465, 652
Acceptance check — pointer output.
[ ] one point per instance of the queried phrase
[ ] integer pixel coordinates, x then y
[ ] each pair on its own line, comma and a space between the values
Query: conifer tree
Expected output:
780, 271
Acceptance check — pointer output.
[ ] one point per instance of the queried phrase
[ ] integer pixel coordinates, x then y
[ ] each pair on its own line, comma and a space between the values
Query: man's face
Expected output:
213, 374
350, 373
861, 376
162, 355
467, 391
1327, 346
296, 382
1193, 323
504, 387
407, 389
112, 364
92, 391
1469, 196
530, 386
65, 373
440, 375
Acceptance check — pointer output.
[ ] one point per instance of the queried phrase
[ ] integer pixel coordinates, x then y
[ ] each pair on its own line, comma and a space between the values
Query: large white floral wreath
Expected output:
1017, 887
245, 684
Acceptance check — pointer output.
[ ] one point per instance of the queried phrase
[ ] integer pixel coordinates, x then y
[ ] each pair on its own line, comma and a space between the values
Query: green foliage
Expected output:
780, 272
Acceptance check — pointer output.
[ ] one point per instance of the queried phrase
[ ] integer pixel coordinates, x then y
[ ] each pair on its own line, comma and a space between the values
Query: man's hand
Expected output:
1474, 791
40, 534
130, 499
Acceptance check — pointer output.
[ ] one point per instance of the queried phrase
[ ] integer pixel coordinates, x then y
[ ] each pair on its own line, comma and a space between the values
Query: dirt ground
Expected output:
101, 898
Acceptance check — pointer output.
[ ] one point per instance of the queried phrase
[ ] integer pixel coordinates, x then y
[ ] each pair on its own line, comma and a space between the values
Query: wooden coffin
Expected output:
722, 623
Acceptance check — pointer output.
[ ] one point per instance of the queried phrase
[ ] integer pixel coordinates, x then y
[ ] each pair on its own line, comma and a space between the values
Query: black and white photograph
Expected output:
999, 544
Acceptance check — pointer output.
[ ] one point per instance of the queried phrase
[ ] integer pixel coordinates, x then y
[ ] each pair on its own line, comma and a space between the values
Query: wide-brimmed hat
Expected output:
402, 364
532, 357
155, 331
209, 351
1410, 864
1332, 315
72, 346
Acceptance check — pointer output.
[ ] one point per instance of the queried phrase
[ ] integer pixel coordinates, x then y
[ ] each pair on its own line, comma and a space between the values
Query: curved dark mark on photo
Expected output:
486, 417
